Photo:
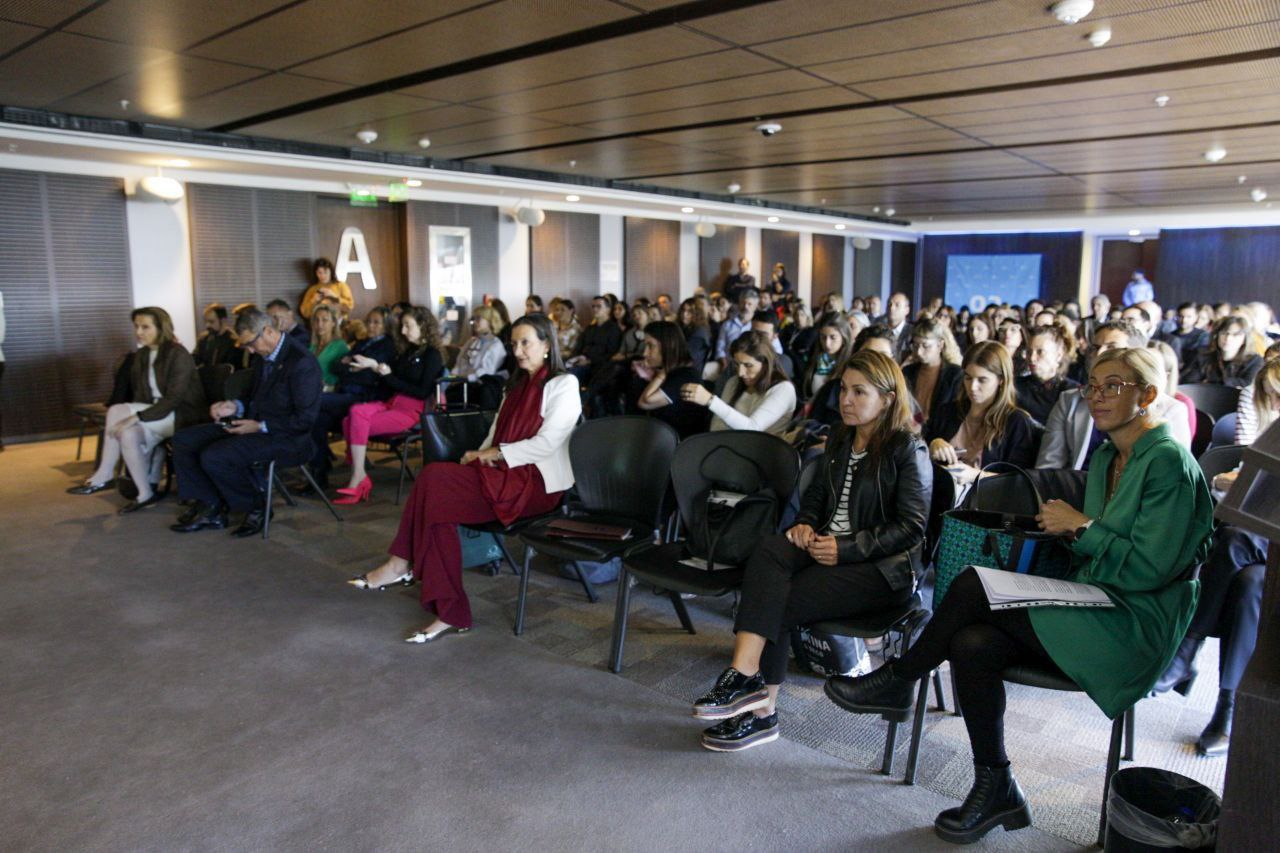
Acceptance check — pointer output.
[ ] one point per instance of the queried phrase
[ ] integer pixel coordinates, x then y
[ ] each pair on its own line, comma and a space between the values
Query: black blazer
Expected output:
946, 388
285, 395
180, 388
364, 383
1210, 368
414, 373
1019, 444
217, 348
698, 340
888, 506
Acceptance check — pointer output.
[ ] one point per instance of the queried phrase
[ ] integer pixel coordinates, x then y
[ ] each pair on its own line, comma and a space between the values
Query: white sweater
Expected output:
767, 412
549, 448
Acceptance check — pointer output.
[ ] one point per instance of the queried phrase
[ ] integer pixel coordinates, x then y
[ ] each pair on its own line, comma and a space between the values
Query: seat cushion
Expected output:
1040, 676
660, 566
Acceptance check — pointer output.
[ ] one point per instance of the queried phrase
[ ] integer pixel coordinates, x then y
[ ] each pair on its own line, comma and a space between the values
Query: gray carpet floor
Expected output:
166, 692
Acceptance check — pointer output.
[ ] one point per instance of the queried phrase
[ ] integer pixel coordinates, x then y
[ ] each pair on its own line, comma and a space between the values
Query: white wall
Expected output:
689, 272
611, 248
752, 252
160, 261
803, 283
513, 263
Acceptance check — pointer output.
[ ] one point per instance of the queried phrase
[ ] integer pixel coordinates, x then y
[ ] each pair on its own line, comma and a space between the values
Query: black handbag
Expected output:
448, 435
733, 512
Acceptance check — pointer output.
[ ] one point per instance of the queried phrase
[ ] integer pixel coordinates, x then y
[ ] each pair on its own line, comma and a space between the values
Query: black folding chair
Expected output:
1210, 398
1205, 423
780, 465
1220, 460
274, 482
619, 472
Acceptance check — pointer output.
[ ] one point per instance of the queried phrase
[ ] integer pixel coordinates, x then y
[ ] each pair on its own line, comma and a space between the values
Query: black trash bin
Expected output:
1151, 810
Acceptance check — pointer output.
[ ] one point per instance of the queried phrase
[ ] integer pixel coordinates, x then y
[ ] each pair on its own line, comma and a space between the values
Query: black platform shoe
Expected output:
1216, 737
1181, 673
733, 694
202, 516
881, 693
994, 800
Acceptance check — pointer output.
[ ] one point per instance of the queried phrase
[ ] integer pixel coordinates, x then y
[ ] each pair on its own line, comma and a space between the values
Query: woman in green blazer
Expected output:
1146, 523
326, 343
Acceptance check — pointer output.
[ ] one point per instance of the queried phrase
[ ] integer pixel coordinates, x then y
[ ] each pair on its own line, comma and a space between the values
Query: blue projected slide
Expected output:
979, 280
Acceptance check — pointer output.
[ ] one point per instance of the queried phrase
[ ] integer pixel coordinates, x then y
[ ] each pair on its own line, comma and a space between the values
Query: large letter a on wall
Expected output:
352, 238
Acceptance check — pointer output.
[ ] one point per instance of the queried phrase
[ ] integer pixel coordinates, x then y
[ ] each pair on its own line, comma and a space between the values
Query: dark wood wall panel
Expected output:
383, 230
775, 247
903, 271
64, 249
1059, 264
483, 222
1119, 259
868, 270
566, 259
1218, 265
718, 256
652, 259
828, 265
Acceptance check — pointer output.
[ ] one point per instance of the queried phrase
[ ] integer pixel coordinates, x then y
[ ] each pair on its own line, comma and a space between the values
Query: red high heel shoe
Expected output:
359, 494
349, 490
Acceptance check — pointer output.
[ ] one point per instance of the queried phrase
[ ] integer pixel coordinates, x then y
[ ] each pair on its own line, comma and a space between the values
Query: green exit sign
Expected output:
363, 198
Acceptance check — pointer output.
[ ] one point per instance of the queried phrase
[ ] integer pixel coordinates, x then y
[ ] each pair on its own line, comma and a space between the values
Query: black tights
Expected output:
980, 643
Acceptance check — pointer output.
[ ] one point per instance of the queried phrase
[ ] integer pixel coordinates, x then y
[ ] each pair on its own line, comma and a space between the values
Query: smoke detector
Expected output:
1215, 154
1071, 11
1100, 36
367, 135
769, 128
1258, 194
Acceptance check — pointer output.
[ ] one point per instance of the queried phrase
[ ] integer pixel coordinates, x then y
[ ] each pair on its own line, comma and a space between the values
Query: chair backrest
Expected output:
1220, 460
620, 466
807, 473
943, 499
448, 435
1204, 433
777, 461
1214, 399
1224, 431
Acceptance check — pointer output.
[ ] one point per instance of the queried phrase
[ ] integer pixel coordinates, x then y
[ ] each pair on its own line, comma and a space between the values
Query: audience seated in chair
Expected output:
163, 394
1229, 359
766, 323
1146, 522
591, 361
1246, 429
272, 422
568, 329
1050, 351
217, 343
521, 470
757, 397
736, 323
854, 548
983, 424
668, 369
407, 384
1230, 593
479, 363
327, 343
283, 319
697, 333
1070, 436
935, 375
1169, 359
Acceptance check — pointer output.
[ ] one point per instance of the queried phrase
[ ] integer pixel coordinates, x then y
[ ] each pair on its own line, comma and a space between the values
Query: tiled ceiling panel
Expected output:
931, 107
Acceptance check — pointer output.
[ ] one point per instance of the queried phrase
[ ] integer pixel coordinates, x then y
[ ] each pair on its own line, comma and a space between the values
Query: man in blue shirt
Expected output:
1138, 290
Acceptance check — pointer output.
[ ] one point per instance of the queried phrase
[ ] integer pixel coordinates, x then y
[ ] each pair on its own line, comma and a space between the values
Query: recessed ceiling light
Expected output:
571, 198
822, 201
1162, 100
840, 226
1135, 232
889, 211
1071, 11
1240, 179
875, 209
413, 182
686, 210
1100, 36
424, 142
1258, 194
179, 163
1215, 154
773, 219
367, 135
733, 188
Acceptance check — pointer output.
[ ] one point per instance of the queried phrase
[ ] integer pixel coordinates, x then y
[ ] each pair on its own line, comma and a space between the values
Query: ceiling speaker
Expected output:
862, 243
704, 229
531, 216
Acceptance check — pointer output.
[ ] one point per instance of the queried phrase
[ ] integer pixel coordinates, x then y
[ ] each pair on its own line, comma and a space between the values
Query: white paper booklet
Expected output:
1006, 590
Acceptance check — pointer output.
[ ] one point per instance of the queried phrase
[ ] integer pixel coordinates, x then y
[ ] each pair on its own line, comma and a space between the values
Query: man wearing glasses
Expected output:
1070, 437
271, 421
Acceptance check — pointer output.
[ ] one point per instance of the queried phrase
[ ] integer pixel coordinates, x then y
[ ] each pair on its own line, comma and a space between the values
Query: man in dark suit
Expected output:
271, 421
737, 282
283, 318
217, 344
898, 318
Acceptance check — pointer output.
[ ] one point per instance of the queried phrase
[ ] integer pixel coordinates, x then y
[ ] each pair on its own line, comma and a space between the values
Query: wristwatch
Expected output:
1080, 530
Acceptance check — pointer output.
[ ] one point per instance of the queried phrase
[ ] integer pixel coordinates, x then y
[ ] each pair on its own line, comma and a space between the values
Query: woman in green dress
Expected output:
327, 344
1147, 520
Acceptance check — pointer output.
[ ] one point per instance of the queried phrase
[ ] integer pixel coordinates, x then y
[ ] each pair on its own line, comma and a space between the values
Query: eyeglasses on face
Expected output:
1108, 389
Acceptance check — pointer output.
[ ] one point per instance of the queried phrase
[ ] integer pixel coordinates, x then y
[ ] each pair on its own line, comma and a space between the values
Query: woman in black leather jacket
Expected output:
855, 548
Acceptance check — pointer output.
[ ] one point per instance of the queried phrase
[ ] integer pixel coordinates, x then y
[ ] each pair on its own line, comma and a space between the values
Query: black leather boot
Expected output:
1181, 673
1216, 737
880, 692
995, 799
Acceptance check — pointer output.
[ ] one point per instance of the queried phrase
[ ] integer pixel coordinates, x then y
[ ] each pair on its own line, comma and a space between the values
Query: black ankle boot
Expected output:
995, 799
1181, 673
881, 693
1216, 736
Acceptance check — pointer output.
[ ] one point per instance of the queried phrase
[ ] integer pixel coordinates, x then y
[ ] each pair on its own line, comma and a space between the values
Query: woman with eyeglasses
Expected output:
1145, 523
934, 376
1229, 359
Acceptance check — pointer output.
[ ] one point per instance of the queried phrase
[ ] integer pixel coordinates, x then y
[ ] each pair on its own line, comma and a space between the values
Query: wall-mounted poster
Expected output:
450, 277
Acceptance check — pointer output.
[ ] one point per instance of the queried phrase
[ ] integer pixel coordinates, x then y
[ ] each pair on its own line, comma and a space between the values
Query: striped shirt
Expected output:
840, 524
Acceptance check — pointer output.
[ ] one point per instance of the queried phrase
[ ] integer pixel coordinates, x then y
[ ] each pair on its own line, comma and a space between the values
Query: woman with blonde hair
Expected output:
983, 424
164, 395
481, 356
1173, 370
854, 548
327, 343
934, 376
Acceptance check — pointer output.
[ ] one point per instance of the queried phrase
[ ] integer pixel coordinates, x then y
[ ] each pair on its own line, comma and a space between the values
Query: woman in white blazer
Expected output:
521, 470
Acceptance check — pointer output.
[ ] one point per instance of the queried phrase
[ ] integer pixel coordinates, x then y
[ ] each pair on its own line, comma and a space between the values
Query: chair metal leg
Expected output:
621, 610
266, 515
917, 731
890, 746
586, 584
404, 466
681, 611
1128, 733
284, 490
937, 690
306, 472
506, 555
80, 441
1113, 764
524, 592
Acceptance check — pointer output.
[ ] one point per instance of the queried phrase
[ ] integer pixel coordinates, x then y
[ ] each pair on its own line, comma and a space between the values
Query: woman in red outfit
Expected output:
521, 470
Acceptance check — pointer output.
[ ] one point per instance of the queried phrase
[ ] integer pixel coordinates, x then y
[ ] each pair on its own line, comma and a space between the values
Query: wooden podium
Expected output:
1249, 815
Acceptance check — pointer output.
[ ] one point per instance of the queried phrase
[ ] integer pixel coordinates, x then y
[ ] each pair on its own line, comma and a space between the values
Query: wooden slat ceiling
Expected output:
931, 107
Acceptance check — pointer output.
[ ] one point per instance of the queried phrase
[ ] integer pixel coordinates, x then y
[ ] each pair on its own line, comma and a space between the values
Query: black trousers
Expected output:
980, 643
333, 408
1230, 602
783, 588
214, 467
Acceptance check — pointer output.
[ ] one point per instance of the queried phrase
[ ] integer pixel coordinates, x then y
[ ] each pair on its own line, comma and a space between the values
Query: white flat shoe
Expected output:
362, 582
431, 636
